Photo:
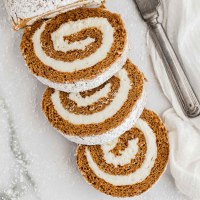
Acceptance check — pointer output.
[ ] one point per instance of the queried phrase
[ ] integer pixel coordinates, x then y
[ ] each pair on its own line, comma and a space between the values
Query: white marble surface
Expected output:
36, 162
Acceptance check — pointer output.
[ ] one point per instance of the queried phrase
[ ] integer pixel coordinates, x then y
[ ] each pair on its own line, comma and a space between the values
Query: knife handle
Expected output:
177, 77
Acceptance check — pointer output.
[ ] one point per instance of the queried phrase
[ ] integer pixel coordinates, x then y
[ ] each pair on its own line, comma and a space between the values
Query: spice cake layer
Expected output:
77, 50
101, 114
130, 164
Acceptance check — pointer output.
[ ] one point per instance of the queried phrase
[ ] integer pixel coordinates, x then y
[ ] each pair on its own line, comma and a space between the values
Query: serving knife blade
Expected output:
179, 81
147, 7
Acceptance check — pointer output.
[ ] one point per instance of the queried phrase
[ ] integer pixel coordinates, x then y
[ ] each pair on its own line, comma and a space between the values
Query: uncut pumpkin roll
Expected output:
77, 50
101, 114
26, 12
130, 164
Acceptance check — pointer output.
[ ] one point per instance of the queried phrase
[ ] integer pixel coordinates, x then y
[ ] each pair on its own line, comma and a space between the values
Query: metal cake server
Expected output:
177, 77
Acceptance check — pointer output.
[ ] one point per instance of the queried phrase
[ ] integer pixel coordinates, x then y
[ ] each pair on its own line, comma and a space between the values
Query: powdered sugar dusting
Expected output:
52, 162
23, 9
89, 84
116, 132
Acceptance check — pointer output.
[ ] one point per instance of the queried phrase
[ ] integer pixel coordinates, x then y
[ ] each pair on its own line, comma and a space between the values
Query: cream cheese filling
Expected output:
70, 28
89, 100
110, 110
126, 155
140, 174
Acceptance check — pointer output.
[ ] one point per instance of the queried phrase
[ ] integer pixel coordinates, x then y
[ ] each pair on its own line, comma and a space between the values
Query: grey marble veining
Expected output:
22, 180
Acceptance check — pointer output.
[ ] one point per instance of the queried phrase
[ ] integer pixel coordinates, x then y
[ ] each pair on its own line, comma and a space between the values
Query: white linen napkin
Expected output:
182, 23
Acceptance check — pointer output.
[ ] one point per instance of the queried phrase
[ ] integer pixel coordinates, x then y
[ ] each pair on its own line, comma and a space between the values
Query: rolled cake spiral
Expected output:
101, 114
130, 164
76, 51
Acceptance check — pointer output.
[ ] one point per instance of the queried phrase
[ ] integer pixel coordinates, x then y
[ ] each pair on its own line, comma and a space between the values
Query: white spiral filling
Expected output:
89, 100
110, 110
140, 174
126, 155
63, 45
68, 29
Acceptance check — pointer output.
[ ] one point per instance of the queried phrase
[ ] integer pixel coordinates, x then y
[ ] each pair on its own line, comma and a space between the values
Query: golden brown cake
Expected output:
101, 114
77, 50
132, 163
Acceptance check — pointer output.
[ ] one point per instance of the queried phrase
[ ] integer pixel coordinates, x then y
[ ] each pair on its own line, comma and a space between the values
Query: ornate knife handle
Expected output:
177, 77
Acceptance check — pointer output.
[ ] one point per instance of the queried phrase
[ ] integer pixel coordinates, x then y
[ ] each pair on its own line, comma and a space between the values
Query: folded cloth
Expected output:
181, 19
184, 158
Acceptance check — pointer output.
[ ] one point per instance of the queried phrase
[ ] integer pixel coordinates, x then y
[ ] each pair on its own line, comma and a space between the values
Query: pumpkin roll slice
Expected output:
130, 164
77, 50
101, 114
